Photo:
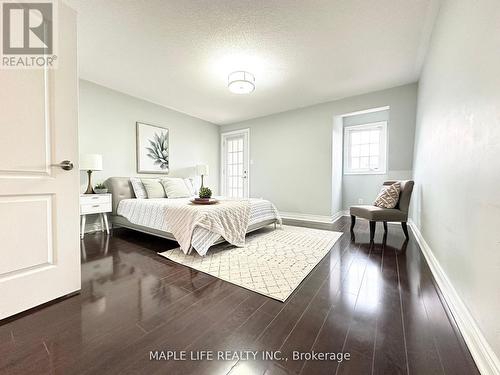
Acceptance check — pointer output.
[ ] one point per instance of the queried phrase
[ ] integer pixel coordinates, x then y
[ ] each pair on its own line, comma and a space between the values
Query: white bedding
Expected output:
152, 213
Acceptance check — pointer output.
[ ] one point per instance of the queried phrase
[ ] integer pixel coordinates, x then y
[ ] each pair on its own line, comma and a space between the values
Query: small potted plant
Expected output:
205, 194
100, 189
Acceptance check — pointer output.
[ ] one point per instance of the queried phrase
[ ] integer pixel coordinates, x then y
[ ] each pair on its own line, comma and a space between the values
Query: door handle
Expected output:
65, 164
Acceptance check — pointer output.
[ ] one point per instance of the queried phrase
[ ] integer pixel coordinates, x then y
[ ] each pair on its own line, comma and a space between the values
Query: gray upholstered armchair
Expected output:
374, 214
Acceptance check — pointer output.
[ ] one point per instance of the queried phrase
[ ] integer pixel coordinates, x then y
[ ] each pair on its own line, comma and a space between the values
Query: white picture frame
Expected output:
153, 149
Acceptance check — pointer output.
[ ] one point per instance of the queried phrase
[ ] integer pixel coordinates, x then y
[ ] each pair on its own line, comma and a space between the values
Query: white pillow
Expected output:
138, 187
175, 188
154, 188
189, 185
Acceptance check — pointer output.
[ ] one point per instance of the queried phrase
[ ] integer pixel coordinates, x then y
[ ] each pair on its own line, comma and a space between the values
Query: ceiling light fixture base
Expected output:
241, 82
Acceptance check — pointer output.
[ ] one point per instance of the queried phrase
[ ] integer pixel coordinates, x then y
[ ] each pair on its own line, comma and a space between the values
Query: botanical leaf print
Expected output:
158, 150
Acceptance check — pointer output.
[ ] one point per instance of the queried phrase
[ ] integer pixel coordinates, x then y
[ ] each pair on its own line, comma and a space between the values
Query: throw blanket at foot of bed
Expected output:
228, 219
153, 213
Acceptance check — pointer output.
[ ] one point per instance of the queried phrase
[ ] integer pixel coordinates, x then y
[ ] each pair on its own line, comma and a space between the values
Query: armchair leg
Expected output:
405, 229
385, 227
372, 230
353, 222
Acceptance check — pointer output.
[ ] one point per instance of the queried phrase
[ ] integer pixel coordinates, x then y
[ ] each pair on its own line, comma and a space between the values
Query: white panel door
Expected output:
235, 155
39, 242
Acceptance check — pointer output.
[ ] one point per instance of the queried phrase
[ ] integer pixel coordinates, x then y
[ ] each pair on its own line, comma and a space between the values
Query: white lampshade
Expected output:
91, 162
202, 169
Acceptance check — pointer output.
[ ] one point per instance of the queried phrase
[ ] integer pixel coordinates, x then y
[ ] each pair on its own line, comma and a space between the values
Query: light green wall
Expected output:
362, 189
456, 201
107, 126
292, 151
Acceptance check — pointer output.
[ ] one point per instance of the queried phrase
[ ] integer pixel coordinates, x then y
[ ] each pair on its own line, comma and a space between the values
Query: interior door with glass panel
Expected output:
235, 160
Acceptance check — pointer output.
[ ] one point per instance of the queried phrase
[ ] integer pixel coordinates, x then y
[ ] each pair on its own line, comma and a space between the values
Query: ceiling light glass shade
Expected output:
241, 82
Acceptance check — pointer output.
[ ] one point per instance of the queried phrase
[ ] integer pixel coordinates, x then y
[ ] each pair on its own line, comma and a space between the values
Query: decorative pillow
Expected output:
388, 196
154, 188
138, 187
189, 185
175, 188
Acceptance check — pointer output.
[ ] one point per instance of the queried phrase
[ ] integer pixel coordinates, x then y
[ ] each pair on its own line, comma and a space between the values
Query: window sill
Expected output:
364, 173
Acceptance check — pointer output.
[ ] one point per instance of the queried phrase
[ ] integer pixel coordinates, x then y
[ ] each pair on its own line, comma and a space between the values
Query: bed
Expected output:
150, 215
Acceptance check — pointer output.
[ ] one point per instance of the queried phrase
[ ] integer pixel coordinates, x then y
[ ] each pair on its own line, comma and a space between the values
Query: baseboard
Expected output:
313, 218
483, 355
340, 214
96, 227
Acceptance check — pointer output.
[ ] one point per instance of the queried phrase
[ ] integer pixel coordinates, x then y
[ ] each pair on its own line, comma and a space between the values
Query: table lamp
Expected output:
202, 170
89, 163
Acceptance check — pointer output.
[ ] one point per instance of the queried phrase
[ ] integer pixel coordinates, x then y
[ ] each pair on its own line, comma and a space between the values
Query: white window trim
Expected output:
347, 148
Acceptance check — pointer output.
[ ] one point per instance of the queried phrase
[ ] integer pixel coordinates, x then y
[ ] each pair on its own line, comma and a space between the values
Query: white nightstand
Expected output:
95, 204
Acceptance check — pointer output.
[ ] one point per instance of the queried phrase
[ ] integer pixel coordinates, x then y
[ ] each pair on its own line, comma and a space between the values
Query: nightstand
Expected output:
95, 204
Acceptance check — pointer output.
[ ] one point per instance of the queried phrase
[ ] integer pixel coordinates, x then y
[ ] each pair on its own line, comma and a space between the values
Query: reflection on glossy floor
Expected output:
377, 303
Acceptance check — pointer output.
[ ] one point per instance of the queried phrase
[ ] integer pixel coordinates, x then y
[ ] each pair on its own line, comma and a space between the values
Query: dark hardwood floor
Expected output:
378, 303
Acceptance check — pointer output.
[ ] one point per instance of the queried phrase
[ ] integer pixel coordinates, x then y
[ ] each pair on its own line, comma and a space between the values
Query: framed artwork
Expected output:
152, 149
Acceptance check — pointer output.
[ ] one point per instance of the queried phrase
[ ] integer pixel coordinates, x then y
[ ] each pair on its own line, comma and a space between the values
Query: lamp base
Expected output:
89, 190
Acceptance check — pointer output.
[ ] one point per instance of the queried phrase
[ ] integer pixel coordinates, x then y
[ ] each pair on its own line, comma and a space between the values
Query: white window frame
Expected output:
383, 148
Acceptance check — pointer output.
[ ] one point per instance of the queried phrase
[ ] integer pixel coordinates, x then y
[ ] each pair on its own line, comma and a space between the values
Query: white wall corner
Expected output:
339, 214
483, 355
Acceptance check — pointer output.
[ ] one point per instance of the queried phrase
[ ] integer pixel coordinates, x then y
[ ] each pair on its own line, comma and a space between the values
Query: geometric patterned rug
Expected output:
273, 262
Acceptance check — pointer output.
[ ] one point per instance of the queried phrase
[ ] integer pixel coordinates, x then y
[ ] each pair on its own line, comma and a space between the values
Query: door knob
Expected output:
65, 164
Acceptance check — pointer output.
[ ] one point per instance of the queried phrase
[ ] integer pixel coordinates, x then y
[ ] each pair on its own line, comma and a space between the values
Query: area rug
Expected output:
273, 262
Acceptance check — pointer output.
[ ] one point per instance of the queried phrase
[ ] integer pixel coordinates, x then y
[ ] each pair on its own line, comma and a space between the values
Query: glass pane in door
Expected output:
235, 170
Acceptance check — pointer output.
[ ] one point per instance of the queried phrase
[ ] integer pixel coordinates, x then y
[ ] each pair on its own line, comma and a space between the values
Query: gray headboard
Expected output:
120, 188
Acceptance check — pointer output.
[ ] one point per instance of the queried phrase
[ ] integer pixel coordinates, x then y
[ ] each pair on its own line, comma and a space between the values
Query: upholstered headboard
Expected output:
120, 188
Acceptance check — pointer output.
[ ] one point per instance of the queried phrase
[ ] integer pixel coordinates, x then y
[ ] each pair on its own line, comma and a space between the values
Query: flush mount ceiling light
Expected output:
241, 82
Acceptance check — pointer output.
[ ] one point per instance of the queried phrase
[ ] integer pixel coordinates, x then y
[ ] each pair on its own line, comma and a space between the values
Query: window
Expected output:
365, 148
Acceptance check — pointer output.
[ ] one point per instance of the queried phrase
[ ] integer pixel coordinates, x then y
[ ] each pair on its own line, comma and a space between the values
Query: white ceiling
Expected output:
178, 53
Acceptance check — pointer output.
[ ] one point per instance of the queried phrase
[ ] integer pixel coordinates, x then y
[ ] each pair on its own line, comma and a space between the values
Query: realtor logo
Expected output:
28, 34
